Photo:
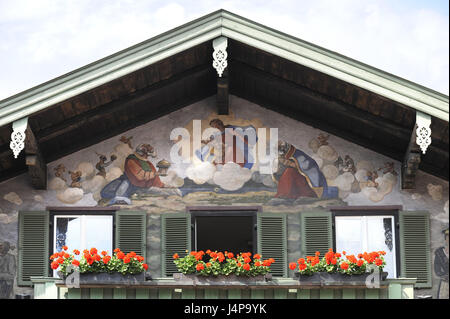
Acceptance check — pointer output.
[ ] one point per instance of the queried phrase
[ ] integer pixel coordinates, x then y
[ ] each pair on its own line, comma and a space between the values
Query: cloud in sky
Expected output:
43, 39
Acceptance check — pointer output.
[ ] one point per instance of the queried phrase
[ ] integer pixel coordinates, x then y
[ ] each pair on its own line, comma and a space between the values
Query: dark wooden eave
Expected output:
314, 98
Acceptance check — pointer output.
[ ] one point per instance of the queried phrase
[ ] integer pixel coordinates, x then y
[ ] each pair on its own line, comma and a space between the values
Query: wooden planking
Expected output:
127, 115
234, 293
188, 293
119, 293
395, 290
304, 294
372, 293
257, 294
321, 83
325, 293
142, 293
348, 293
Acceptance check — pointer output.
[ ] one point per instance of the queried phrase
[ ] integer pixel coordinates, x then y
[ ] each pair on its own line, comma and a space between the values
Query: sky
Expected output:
43, 39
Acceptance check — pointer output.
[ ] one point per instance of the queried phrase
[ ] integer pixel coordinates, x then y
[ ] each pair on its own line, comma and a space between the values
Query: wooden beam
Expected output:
317, 110
411, 162
222, 93
122, 115
37, 169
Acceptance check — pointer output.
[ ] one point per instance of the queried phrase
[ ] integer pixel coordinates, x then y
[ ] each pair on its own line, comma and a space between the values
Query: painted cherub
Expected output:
59, 171
126, 140
371, 177
349, 165
388, 168
76, 178
323, 139
102, 164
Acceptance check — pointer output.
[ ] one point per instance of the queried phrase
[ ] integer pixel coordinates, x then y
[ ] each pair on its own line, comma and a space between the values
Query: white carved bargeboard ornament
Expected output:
423, 131
220, 55
18, 136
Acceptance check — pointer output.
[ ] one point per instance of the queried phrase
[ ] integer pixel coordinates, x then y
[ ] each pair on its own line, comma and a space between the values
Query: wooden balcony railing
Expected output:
168, 288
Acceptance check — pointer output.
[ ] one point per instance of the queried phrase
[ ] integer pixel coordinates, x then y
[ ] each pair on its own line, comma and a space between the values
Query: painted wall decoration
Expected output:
7, 270
135, 171
441, 268
130, 168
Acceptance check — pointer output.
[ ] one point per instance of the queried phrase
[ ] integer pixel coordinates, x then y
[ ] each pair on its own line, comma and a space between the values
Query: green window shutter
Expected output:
33, 246
272, 241
415, 252
175, 238
131, 232
316, 232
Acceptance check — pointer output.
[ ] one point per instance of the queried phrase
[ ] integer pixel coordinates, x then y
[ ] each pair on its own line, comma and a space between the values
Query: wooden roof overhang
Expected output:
318, 87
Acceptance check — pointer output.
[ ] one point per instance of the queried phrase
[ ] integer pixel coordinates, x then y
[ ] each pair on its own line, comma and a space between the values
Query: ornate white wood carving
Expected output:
423, 131
18, 136
220, 55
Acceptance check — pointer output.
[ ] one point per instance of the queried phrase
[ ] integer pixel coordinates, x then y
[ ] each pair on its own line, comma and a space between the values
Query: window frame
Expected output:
372, 211
221, 211
78, 211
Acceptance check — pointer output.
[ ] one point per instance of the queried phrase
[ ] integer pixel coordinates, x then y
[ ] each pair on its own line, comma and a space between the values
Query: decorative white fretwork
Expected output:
220, 55
423, 131
18, 136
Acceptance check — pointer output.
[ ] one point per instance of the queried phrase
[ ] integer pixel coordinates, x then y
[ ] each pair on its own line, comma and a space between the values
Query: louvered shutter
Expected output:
131, 229
33, 246
175, 238
272, 241
316, 233
415, 252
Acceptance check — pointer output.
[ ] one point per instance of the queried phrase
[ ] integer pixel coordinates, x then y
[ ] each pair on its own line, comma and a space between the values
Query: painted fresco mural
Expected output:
136, 171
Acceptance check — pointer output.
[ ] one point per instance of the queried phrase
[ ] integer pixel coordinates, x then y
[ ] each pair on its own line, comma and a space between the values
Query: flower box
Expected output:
106, 278
221, 279
324, 278
223, 265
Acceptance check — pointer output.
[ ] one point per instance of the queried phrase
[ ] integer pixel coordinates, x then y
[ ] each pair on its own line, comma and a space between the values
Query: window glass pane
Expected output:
67, 232
381, 237
98, 232
349, 232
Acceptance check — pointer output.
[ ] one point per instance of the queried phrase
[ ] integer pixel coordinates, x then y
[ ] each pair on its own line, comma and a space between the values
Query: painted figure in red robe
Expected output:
138, 173
239, 152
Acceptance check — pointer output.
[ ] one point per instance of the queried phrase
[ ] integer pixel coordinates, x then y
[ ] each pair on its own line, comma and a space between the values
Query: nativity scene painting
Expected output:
223, 169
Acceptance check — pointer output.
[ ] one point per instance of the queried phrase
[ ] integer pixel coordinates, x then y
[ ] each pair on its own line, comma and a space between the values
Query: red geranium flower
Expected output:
292, 266
199, 267
175, 256
145, 266
378, 262
344, 265
246, 267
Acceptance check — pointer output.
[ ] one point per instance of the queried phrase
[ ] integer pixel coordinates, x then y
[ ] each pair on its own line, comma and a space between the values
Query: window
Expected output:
231, 228
43, 232
357, 234
83, 231
232, 231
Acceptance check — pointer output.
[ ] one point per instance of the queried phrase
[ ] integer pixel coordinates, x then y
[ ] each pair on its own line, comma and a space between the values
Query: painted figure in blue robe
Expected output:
240, 151
299, 175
